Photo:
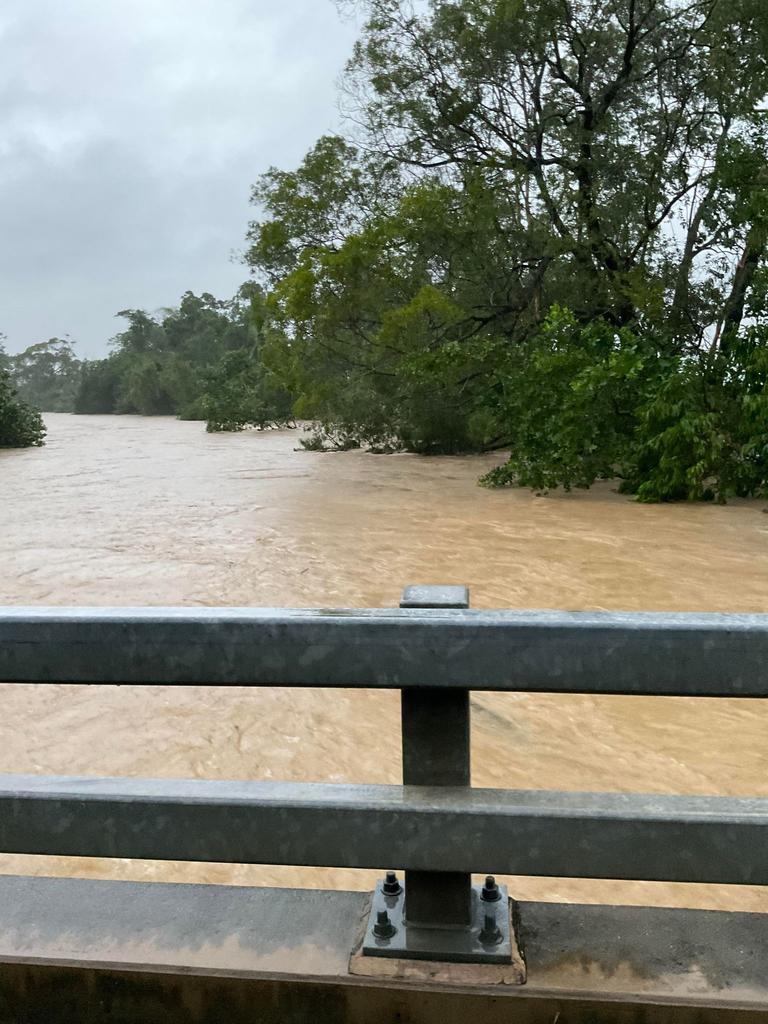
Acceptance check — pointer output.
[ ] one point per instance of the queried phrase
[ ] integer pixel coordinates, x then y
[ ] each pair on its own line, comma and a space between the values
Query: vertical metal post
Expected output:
438, 915
435, 730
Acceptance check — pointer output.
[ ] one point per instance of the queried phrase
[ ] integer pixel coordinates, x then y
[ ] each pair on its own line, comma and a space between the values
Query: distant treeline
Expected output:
200, 360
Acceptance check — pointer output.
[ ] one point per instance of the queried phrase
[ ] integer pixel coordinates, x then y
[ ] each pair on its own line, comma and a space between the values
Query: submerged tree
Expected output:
20, 425
240, 392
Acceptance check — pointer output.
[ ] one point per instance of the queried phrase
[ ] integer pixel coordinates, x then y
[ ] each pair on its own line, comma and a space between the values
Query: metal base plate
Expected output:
450, 945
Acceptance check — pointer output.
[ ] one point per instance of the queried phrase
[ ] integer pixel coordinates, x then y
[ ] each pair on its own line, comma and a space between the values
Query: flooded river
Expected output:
126, 511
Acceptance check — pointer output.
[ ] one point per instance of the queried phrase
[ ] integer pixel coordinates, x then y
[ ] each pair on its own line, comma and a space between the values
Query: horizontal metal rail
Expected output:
585, 652
585, 835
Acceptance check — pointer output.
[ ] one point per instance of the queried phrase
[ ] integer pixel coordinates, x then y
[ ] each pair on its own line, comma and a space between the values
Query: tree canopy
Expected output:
548, 234
200, 360
47, 375
159, 361
20, 425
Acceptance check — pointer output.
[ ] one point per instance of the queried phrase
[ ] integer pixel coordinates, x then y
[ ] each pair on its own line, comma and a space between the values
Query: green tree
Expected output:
608, 120
99, 386
240, 393
47, 375
166, 363
555, 210
20, 425
703, 432
199, 334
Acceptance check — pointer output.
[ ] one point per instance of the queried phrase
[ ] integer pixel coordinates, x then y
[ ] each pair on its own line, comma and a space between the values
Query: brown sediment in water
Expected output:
131, 511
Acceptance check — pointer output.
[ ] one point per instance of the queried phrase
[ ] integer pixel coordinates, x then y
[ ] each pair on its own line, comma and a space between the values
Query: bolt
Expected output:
491, 933
491, 892
391, 886
383, 929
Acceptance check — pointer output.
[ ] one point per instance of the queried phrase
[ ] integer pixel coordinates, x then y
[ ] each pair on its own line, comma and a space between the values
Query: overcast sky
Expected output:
130, 133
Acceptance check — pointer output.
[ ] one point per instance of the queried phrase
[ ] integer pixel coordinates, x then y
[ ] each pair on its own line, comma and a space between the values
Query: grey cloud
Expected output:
130, 133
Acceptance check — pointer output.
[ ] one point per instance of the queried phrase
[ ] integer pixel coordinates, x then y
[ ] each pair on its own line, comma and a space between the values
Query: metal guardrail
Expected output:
436, 826
557, 652
584, 835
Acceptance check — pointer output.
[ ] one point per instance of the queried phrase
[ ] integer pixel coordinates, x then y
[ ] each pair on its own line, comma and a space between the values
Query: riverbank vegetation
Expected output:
546, 233
199, 360
20, 425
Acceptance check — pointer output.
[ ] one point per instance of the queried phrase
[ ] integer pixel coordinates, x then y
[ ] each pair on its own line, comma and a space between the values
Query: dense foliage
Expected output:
176, 364
200, 360
47, 375
20, 425
549, 235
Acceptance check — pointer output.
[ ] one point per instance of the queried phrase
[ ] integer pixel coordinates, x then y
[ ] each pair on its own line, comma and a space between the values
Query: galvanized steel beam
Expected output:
588, 835
587, 652
435, 727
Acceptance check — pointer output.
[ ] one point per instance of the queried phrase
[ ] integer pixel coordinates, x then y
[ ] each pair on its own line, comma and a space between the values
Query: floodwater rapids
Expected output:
132, 511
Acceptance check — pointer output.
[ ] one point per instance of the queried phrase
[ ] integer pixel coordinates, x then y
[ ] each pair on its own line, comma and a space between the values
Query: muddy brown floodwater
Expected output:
131, 511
